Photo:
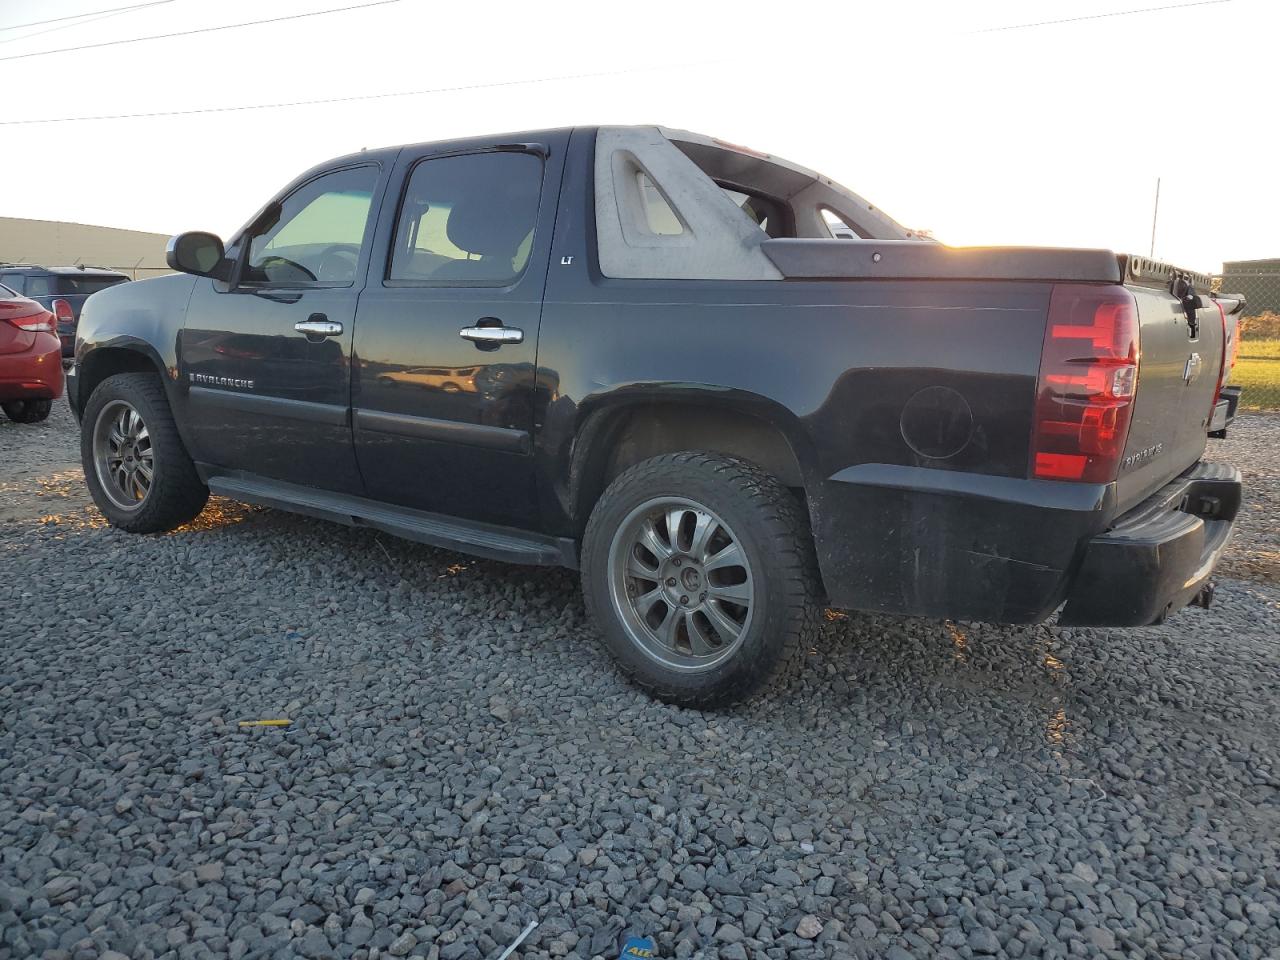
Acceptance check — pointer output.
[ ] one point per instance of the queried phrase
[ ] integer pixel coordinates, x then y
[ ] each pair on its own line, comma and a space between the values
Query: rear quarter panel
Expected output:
832, 365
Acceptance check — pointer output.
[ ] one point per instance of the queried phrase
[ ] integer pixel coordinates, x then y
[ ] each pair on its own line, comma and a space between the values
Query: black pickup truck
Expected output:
724, 387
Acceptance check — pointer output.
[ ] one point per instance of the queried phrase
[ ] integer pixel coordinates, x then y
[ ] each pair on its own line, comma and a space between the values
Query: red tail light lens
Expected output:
1226, 364
41, 322
1088, 378
62, 310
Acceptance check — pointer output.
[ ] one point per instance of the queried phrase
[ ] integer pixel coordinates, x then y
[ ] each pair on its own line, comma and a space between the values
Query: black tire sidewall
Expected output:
176, 495
777, 600
27, 411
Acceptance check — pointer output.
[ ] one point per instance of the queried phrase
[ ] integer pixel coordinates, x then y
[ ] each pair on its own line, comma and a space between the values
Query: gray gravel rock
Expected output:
920, 789
1253, 445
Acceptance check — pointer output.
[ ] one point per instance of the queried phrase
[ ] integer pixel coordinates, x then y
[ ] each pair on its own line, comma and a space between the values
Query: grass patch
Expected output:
1260, 377
1259, 349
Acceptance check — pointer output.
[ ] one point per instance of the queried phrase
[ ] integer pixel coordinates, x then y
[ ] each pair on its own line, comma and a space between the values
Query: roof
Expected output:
79, 270
1231, 266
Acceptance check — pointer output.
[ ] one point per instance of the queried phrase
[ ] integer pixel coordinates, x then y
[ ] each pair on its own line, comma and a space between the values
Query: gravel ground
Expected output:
462, 759
1253, 445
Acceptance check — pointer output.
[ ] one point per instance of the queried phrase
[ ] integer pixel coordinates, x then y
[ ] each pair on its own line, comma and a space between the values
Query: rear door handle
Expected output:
492, 334
317, 327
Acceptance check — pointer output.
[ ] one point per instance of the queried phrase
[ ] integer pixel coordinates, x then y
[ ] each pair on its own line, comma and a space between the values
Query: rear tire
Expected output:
698, 570
135, 464
27, 411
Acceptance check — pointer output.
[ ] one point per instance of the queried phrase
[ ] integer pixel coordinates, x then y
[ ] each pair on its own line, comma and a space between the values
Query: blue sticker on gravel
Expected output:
637, 947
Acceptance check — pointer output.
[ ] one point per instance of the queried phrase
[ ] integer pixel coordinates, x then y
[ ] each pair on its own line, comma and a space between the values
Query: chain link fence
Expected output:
1257, 367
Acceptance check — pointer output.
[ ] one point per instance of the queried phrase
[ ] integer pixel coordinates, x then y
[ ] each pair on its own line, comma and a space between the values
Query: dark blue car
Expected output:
60, 290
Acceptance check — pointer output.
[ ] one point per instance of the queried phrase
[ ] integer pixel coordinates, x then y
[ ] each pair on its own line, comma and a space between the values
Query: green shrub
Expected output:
1261, 326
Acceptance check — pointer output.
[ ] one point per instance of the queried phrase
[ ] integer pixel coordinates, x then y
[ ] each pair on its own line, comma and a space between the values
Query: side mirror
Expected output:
198, 253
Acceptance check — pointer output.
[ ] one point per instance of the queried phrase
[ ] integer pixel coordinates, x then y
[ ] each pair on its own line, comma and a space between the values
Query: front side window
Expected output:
467, 220
13, 281
318, 233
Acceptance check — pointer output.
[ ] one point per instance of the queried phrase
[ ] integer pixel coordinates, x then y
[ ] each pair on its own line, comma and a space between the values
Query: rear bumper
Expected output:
35, 375
1224, 411
938, 543
1159, 556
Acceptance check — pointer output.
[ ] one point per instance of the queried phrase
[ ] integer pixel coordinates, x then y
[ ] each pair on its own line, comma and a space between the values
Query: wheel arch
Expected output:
623, 431
125, 355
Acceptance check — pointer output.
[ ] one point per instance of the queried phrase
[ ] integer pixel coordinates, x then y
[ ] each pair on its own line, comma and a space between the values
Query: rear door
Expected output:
446, 336
267, 357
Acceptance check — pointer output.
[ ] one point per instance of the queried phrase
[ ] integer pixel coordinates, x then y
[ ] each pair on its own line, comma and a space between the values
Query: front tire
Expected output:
135, 464
27, 411
698, 570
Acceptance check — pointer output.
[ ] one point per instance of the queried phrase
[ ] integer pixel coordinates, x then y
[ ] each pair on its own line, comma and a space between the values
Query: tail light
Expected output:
63, 312
1227, 361
1088, 378
41, 322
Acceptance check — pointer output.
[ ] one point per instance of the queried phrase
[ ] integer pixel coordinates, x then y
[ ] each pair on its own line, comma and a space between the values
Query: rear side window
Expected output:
658, 214
467, 220
39, 286
66, 286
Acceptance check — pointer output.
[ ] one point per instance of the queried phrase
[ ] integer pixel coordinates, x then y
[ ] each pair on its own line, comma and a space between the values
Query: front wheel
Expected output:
135, 465
698, 569
27, 411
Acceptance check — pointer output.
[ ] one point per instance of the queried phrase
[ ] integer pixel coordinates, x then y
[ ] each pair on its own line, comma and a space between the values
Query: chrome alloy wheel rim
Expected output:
681, 584
122, 455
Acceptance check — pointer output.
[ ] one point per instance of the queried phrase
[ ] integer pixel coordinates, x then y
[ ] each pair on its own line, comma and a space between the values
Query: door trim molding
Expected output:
327, 413
505, 439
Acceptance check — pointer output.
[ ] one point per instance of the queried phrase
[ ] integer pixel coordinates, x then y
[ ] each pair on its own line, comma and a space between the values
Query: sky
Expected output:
957, 118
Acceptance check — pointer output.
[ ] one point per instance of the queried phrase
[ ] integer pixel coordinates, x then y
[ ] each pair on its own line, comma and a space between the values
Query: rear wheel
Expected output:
698, 570
134, 462
27, 411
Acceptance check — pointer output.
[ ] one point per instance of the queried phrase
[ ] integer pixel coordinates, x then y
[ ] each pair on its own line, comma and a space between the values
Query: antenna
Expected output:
1155, 212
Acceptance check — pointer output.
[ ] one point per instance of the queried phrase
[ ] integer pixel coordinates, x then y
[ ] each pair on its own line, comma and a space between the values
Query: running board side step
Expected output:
466, 536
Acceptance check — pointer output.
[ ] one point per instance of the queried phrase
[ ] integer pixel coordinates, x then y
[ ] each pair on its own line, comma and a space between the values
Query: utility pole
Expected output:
1155, 212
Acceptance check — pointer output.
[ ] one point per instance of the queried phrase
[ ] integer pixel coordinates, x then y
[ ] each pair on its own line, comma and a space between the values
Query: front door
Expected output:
447, 329
267, 357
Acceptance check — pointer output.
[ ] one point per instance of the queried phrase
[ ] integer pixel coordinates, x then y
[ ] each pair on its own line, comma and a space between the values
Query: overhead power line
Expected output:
1099, 16
88, 19
353, 99
81, 16
199, 30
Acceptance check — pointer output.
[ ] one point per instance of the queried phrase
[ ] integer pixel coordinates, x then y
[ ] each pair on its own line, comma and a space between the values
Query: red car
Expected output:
30, 358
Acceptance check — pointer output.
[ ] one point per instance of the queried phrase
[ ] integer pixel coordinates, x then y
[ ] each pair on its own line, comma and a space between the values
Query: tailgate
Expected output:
1180, 360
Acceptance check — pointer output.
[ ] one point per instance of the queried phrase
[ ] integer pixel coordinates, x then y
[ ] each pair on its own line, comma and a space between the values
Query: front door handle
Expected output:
317, 328
495, 335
